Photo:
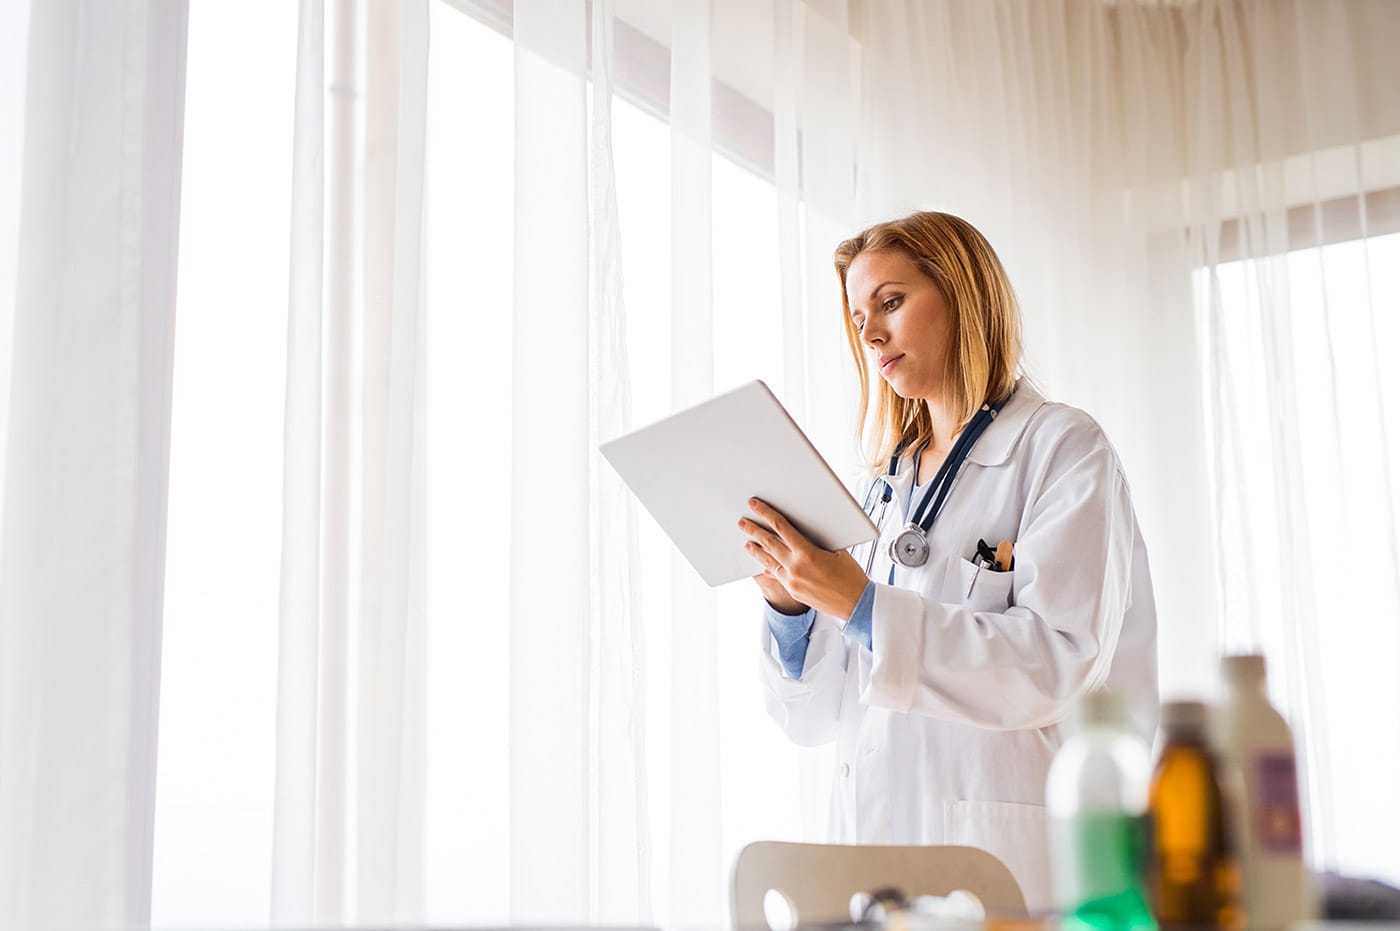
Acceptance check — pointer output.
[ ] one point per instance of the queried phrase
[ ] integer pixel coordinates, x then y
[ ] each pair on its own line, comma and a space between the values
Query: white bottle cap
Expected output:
1100, 707
1243, 669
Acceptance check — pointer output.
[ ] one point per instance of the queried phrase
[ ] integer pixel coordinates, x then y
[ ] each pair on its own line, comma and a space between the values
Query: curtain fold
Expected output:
87, 368
391, 756
348, 824
294, 814
621, 870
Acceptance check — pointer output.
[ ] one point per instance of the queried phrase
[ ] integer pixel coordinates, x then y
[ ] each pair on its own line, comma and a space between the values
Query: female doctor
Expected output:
1008, 580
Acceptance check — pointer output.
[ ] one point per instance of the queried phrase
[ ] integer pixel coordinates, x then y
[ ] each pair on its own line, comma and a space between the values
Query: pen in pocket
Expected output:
1001, 559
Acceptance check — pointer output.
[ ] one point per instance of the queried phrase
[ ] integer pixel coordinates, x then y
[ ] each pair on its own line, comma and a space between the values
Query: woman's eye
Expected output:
892, 302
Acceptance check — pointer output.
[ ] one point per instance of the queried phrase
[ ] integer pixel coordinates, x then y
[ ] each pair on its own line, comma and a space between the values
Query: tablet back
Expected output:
696, 470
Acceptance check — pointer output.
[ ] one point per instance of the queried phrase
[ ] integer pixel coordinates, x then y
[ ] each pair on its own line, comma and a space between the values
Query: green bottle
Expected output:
1097, 799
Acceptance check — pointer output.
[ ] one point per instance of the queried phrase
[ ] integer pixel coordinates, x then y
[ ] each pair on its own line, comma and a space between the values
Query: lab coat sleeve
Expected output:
1024, 665
807, 708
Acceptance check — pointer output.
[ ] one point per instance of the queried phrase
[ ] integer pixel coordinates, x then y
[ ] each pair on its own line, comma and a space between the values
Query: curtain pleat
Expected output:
348, 821
620, 865
87, 366
391, 752
294, 817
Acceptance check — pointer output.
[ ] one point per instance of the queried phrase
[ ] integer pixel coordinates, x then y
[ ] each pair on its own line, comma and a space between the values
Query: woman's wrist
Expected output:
778, 597
790, 608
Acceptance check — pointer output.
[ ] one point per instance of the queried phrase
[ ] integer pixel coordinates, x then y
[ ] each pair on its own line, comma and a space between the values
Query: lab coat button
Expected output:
845, 770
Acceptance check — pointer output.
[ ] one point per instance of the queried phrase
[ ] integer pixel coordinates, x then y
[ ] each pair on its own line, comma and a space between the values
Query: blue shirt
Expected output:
793, 632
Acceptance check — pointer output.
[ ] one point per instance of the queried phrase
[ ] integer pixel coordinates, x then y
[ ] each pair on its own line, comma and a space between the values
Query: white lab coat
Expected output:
945, 732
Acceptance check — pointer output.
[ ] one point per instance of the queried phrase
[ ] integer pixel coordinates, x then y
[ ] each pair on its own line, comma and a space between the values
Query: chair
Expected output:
820, 879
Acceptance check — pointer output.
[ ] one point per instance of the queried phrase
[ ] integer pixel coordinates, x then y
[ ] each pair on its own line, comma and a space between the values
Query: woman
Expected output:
943, 667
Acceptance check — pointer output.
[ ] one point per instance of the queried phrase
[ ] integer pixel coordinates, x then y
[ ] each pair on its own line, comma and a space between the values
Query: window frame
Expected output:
743, 129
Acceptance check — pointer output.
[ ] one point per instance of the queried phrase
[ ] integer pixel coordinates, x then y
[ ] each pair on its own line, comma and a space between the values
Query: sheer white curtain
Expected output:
549, 635
348, 820
1077, 134
1268, 182
627, 686
594, 707
1291, 159
92, 134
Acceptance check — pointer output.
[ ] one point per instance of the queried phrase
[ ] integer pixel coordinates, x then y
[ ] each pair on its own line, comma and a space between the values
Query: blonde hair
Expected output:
985, 355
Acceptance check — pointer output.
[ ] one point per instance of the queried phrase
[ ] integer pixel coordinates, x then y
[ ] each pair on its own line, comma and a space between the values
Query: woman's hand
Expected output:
804, 573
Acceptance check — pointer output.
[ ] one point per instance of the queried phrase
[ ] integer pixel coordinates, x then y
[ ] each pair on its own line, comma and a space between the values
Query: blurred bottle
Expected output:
1255, 740
1194, 875
1096, 793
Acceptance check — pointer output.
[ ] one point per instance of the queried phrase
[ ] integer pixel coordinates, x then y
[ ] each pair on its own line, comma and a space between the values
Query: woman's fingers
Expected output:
828, 581
765, 558
783, 528
765, 538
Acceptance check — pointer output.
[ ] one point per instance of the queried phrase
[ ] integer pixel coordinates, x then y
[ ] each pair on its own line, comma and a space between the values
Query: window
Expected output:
1303, 499
213, 835
469, 248
213, 856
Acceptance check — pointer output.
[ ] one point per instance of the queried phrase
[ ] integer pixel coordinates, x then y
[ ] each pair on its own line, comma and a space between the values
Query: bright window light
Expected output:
213, 841
1334, 328
213, 856
468, 259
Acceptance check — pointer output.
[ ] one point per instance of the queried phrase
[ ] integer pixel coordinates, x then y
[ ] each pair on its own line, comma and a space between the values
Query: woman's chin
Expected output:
905, 390
901, 387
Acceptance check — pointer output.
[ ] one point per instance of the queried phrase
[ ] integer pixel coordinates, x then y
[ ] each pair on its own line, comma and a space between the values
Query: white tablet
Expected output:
696, 470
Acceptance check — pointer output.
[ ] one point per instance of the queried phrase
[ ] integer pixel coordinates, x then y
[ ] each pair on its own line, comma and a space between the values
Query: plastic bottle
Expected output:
1255, 739
1096, 793
1195, 874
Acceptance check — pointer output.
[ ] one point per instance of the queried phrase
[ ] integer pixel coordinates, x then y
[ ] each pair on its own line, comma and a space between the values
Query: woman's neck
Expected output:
944, 422
932, 456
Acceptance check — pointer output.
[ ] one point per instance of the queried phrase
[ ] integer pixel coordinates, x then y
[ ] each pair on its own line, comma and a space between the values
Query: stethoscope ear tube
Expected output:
879, 519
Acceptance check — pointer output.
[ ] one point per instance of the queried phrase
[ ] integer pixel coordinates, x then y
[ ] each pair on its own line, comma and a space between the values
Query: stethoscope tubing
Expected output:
913, 551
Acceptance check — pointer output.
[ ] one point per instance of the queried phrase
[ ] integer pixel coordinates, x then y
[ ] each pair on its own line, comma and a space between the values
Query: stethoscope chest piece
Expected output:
910, 547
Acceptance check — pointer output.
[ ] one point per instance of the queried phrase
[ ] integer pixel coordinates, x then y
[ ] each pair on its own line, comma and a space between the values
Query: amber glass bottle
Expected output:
1195, 874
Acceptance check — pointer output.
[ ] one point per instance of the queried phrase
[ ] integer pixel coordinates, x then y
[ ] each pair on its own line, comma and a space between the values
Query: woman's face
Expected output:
903, 321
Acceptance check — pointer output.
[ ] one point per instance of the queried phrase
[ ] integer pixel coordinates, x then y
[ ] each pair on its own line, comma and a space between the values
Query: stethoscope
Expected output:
910, 547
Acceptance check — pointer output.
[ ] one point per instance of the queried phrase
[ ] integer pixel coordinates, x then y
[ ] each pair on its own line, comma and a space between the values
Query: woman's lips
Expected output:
889, 365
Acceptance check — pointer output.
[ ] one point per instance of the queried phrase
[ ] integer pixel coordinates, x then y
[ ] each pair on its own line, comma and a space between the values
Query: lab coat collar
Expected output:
996, 445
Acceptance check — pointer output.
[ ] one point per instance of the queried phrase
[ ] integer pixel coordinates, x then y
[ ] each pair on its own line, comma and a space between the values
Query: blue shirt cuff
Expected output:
792, 632
857, 629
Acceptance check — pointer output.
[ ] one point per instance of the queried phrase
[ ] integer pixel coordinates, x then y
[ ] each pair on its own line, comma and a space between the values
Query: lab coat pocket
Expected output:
979, 588
1014, 833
